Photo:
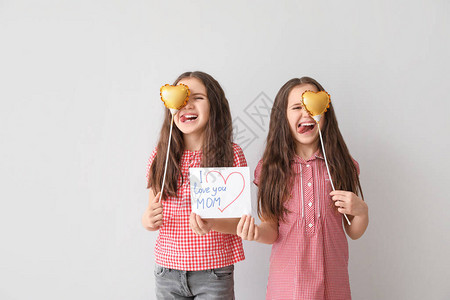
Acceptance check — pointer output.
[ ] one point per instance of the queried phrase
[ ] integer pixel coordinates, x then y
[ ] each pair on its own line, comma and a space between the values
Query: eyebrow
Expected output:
199, 94
296, 104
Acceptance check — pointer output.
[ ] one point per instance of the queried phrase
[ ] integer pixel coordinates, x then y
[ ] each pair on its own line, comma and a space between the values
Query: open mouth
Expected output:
188, 118
303, 128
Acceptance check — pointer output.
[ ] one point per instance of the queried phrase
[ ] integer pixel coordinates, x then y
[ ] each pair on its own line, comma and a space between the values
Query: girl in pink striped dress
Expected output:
301, 215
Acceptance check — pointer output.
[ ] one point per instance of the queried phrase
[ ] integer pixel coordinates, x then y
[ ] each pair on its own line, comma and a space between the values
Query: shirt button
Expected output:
310, 203
307, 166
310, 225
309, 183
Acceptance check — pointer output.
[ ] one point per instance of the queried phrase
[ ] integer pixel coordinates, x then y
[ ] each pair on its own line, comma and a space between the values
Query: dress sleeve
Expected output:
258, 173
149, 163
239, 157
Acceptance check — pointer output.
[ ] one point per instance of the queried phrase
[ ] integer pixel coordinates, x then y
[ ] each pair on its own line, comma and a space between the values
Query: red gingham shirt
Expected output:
309, 260
177, 247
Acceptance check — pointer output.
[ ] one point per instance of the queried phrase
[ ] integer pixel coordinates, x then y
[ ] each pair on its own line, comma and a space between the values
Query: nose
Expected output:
189, 104
305, 112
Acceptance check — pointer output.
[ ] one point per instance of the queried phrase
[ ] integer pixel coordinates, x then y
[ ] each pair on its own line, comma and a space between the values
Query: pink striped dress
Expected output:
309, 260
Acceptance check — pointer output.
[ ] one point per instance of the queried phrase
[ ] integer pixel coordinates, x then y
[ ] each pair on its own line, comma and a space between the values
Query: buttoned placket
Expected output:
191, 159
310, 209
185, 170
191, 162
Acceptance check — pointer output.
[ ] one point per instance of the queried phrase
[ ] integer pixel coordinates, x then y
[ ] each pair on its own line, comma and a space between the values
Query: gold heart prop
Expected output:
316, 103
175, 97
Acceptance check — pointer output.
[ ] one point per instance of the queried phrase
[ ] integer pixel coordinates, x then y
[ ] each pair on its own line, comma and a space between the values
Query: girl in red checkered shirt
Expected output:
301, 215
194, 257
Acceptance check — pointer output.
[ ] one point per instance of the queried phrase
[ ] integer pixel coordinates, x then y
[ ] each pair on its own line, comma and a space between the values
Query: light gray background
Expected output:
80, 113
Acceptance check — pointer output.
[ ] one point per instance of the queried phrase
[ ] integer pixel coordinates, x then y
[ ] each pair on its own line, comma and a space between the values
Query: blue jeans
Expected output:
207, 284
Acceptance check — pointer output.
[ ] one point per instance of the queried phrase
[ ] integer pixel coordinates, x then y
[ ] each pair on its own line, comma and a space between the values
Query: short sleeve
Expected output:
149, 163
356, 165
239, 158
258, 172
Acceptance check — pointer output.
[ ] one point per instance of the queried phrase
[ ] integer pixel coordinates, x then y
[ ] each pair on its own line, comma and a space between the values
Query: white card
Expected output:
220, 192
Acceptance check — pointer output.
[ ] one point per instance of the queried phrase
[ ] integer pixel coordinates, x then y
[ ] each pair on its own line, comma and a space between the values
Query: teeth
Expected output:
190, 116
307, 124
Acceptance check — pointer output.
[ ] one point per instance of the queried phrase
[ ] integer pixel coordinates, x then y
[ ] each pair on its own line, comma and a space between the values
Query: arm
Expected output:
266, 232
153, 216
356, 210
358, 227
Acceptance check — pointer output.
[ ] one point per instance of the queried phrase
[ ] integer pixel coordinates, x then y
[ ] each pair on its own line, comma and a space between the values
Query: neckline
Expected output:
317, 154
192, 151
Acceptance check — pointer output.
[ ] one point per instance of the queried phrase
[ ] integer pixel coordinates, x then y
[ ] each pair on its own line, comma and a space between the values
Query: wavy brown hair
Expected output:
217, 151
277, 173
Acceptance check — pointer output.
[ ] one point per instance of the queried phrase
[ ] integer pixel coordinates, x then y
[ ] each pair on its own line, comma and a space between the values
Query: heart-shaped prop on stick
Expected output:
316, 103
174, 97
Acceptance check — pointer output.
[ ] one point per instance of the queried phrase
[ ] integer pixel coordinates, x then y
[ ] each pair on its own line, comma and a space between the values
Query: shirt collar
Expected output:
317, 154
191, 154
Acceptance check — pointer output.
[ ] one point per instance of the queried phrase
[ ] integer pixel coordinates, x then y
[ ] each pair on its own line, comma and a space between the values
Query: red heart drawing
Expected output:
225, 181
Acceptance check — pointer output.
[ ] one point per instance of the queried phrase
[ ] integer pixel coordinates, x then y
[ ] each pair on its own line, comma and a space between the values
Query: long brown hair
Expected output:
217, 151
277, 174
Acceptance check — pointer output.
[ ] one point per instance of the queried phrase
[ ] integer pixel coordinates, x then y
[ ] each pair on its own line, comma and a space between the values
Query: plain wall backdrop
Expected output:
80, 114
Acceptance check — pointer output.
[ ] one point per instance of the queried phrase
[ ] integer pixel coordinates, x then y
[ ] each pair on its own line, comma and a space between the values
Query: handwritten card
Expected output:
220, 192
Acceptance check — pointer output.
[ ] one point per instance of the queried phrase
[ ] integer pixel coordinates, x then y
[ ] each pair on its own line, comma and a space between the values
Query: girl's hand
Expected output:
153, 215
348, 203
199, 226
247, 229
